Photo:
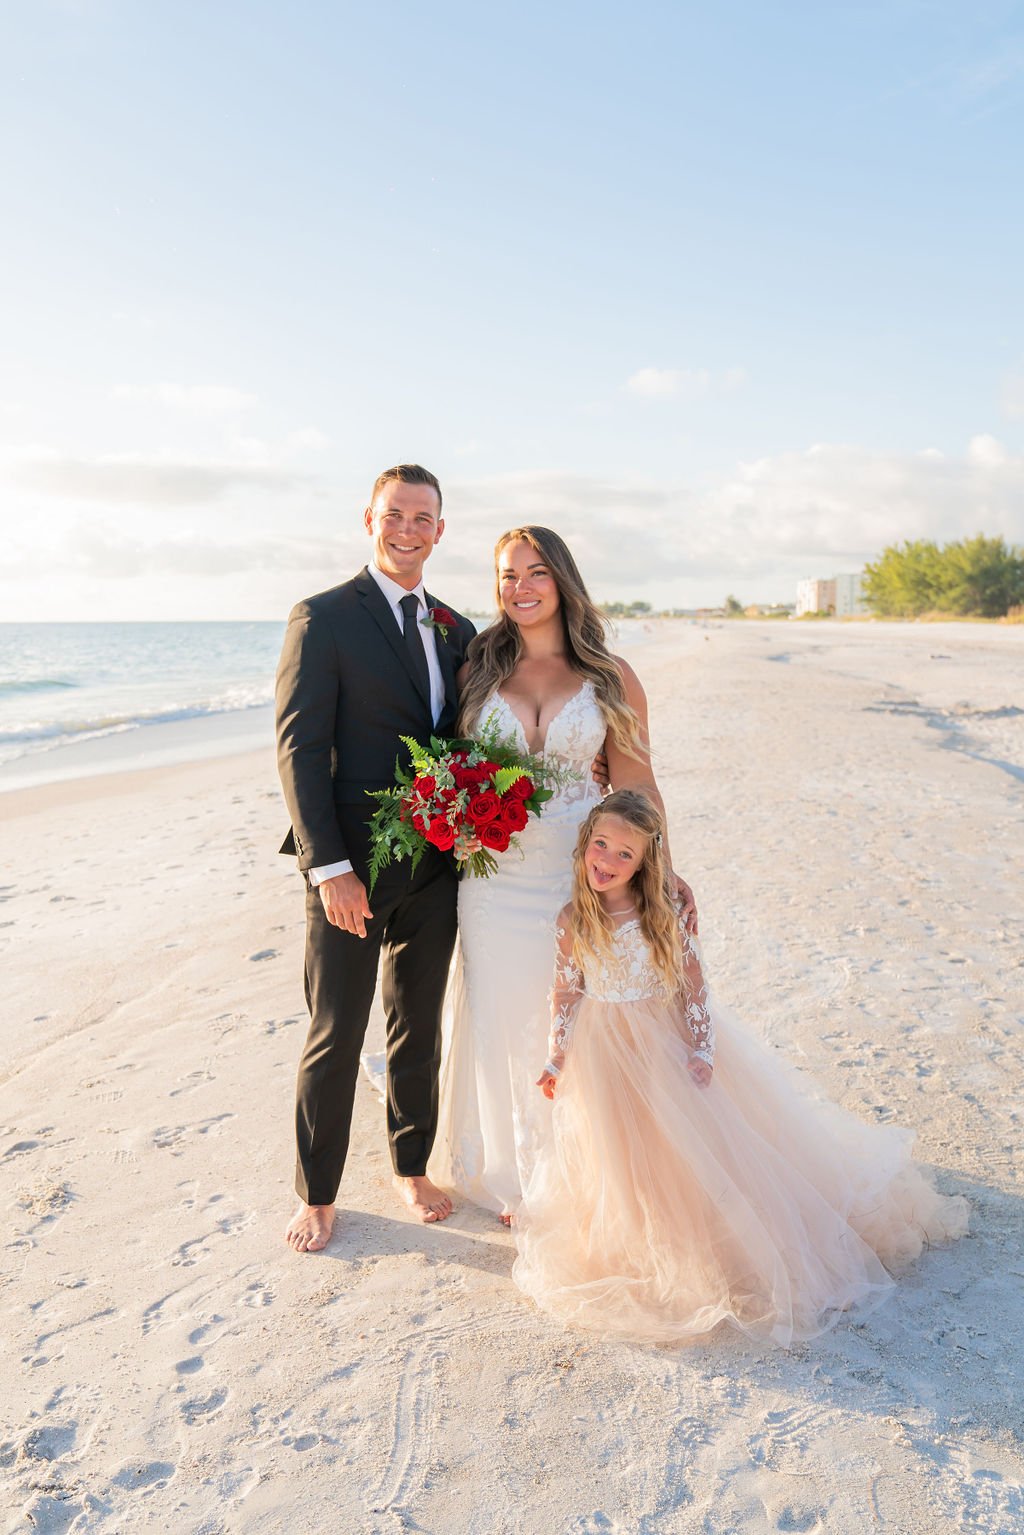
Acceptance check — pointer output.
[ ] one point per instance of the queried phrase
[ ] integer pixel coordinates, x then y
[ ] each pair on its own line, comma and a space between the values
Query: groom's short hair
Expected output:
409, 474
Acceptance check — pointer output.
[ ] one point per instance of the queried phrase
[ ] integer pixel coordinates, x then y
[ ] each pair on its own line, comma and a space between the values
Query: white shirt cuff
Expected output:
328, 871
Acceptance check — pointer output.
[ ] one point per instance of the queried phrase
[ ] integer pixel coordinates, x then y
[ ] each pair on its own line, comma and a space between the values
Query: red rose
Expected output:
465, 777
495, 836
514, 814
483, 807
425, 785
486, 770
445, 796
440, 834
522, 788
441, 616
421, 823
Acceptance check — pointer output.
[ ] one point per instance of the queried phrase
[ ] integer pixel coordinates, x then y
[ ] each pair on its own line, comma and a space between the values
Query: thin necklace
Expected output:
623, 913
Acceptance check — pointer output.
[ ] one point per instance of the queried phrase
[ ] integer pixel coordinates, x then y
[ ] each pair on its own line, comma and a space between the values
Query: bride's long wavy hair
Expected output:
493, 654
592, 928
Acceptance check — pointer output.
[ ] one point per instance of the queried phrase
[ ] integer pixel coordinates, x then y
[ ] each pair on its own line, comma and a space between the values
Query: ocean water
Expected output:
82, 697
85, 698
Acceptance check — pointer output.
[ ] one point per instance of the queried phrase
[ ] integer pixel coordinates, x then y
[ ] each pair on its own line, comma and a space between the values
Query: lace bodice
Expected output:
628, 974
574, 736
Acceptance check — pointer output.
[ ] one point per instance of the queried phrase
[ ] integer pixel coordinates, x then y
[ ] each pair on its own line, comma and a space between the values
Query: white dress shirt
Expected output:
394, 594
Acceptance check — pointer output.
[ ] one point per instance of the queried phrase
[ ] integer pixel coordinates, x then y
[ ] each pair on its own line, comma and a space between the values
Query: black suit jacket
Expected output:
346, 692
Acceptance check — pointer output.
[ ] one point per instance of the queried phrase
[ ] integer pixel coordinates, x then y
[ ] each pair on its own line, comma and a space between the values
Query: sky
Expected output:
728, 295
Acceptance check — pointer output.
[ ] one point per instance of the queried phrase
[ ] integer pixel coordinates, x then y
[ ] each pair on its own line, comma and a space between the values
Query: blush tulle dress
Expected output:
660, 1208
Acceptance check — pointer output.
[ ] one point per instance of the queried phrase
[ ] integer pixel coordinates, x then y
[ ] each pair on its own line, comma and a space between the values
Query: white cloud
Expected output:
201, 399
658, 383
1013, 395
145, 482
684, 383
986, 452
758, 528
307, 439
825, 507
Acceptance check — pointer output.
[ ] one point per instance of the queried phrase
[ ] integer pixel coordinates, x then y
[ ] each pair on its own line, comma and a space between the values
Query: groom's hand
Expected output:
345, 904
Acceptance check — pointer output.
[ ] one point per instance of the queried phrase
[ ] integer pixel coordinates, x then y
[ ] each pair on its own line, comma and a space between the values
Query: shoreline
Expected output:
146, 748
228, 733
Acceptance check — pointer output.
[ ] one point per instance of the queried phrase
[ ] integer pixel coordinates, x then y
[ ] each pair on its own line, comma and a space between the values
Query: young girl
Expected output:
691, 1178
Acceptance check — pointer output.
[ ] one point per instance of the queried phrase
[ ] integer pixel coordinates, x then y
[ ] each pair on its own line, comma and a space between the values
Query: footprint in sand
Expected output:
50, 1513
301, 1442
190, 1253
271, 1025
263, 954
52, 1442
199, 1408
258, 1295
154, 1473
170, 1137
46, 1199
800, 1521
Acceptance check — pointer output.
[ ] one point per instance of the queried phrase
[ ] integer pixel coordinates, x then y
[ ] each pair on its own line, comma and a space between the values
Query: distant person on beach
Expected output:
362, 665
689, 1178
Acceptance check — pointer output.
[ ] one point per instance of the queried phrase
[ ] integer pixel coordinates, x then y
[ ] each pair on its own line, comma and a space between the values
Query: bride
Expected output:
543, 670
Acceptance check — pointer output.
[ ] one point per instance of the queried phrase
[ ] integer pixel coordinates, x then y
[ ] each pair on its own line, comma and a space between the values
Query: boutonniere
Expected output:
438, 618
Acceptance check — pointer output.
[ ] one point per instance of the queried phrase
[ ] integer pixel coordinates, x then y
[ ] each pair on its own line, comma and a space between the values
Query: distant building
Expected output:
841, 595
815, 597
849, 598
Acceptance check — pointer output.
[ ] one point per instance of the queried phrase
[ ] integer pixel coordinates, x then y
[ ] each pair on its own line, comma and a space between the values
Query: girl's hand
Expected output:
699, 1070
547, 1082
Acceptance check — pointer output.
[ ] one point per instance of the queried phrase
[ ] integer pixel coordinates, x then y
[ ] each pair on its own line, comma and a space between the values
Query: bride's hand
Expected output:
689, 905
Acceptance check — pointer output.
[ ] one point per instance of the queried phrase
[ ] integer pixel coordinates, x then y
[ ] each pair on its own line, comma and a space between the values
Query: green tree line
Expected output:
976, 577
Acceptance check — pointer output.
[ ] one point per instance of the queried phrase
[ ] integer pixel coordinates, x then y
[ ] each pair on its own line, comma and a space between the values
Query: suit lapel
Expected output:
379, 609
446, 663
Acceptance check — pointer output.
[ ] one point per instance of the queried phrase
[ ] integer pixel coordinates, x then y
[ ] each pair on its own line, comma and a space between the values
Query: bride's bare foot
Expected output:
424, 1198
309, 1229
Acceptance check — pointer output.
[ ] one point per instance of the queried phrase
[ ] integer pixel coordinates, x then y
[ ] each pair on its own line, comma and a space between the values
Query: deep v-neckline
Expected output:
538, 751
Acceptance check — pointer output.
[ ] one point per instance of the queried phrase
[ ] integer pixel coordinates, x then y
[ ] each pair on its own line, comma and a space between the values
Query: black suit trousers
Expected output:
413, 930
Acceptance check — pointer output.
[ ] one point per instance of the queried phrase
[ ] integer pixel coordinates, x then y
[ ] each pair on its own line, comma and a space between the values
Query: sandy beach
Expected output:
848, 804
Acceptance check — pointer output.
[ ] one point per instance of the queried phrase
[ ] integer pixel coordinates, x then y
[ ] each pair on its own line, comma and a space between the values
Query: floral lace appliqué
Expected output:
627, 974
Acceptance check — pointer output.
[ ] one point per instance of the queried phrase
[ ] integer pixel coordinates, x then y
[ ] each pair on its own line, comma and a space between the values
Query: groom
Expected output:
362, 665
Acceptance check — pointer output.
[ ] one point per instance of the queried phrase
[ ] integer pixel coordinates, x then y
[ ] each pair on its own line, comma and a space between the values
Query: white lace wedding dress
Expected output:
492, 1118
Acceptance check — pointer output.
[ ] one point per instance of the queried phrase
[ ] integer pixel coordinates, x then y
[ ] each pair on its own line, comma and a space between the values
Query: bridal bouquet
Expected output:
466, 797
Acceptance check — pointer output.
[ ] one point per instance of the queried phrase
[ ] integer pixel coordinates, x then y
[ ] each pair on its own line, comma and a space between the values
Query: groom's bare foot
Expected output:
424, 1198
309, 1229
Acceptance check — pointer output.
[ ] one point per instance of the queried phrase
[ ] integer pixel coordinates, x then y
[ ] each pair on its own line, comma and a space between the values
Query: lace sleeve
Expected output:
565, 996
699, 1023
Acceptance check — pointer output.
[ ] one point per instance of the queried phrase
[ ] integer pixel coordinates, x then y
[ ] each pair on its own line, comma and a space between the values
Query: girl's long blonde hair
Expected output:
493, 654
592, 928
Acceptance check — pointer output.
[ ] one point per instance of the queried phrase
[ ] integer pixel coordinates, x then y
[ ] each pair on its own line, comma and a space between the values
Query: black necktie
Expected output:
414, 641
